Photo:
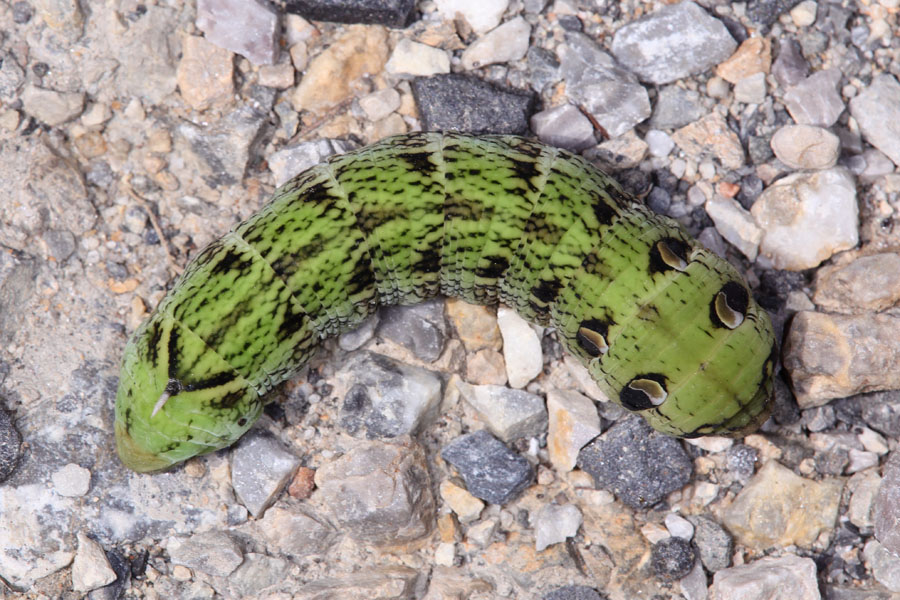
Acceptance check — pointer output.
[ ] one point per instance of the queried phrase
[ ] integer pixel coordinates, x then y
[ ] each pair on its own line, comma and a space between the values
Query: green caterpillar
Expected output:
667, 328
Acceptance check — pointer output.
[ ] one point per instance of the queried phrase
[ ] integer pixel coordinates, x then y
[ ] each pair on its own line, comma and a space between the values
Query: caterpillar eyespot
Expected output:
486, 219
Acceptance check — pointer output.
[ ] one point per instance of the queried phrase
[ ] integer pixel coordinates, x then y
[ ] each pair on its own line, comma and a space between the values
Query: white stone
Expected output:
574, 422
380, 104
509, 414
71, 481
504, 44
659, 142
445, 554
806, 218
52, 107
556, 523
751, 89
735, 224
872, 441
413, 59
679, 527
712, 443
481, 15
90, 569
521, 348
806, 147
804, 14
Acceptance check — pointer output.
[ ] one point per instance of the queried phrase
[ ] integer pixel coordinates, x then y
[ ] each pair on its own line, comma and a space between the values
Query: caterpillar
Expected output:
666, 328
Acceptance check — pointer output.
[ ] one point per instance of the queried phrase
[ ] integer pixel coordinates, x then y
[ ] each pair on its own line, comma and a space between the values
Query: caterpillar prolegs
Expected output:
666, 328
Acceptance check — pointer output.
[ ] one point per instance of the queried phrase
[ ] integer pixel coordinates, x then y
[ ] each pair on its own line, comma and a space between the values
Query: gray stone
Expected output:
222, 150
214, 553
885, 565
247, 27
297, 531
823, 365
148, 53
673, 42
787, 576
877, 110
260, 468
294, 159
391, 13
386, 398
71, 481
52, 107
543, 68
491, 471
12, 76
659, 143
790, 68
573, 592
672, 558
565, 127
868, 283
595, 81
355, 339
886, 510
554, 524
816, 100
714, 544
676, 107
420, 328
390, 583
751, 89
454, 102
255, 574
509, 414
640, 466
679, 527
10, 440
380, 493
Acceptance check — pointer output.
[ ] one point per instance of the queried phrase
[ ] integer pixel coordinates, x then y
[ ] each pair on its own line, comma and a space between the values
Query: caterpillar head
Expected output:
176, 399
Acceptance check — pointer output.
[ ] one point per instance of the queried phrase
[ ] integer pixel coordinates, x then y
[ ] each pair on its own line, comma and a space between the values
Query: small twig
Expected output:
176, 268
306, 133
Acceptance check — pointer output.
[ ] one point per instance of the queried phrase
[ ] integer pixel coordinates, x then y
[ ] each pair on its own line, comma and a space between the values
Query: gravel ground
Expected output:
446, 450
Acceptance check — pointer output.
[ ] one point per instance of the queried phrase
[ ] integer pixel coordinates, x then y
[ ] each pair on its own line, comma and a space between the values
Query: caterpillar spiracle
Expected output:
666, 328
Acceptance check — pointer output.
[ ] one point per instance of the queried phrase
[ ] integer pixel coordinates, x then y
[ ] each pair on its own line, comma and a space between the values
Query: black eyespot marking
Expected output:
729, 306
669, 253
644, 391
242, 421
591, 336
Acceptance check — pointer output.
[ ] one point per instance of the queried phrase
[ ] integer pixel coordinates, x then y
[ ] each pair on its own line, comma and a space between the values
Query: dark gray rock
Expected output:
881, 411
573, 592
637, 464
491, 471
22, 12
714, 544
766, 12
672, 558
420, 328
455, 102
9, 445
391, 13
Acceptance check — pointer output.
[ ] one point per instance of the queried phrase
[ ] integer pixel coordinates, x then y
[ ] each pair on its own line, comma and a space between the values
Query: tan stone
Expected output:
333, 74
779, 508
833, 356
751, 57
711, 136
205, 73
